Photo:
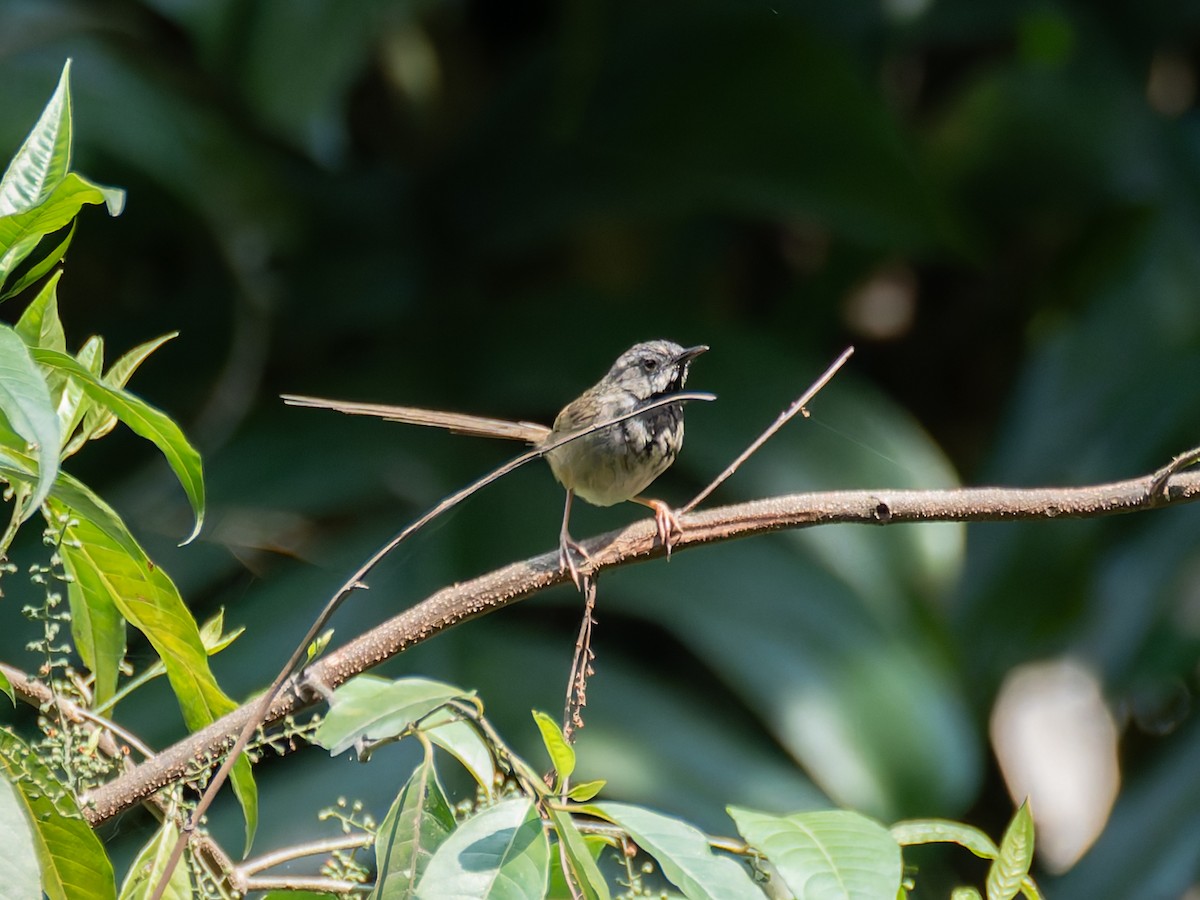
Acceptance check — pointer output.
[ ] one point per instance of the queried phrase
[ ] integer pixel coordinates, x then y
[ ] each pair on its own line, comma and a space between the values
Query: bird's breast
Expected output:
619, 462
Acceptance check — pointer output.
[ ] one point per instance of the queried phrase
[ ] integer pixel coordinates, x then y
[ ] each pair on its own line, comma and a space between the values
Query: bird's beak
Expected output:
691, 353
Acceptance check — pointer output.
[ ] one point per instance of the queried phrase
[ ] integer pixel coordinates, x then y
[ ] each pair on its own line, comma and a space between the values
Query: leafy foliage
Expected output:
51, 404
501, 849
70, 858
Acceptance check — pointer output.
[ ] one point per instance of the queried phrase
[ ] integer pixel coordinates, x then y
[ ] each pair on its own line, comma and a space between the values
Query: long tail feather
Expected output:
458, 423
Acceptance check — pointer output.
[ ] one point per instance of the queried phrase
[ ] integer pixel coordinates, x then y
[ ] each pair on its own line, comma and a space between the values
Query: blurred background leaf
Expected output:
478, 206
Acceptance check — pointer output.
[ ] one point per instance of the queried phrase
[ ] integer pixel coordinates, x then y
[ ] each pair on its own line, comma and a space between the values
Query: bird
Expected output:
604, 467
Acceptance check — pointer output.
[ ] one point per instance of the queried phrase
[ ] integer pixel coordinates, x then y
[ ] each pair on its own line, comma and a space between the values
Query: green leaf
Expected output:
826, 855
19, 863
39, 325
584, 871
214, 642
73, 403
119, 373
462, 741
18, 466
72, 862
45, 158
245, 788
213, 634
372, 708
964, 893
144, 420
683, 854
21, 232
147, 870
25, 401
562, 756
91, 355
502, 852
586, 790
41, 267
97, 626
147, 598
318, 645
418, 822
1030, 890
110, 565
931, 831
100, 419
7, 688
1009, 870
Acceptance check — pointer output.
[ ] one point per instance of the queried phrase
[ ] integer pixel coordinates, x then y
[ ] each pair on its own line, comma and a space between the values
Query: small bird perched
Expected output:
605, 467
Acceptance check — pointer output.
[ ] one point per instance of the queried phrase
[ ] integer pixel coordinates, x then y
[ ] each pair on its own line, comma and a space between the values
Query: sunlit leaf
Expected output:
372, 709
825, 855
562, 756
930, 831
417, 824
502, 852
462, 740
113, 568
20, 233
19, 862
147, 869
19, 466
245, 788
39, 325
1009, 869
213, 634
318, 645
97, 626
38, 269
144, 420
148, 599
584, 791
584, 871
45, 158
26, 403
101, 419
683, 853
74, 404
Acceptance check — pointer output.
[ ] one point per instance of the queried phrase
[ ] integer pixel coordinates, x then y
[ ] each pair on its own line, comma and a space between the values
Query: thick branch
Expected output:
515, 582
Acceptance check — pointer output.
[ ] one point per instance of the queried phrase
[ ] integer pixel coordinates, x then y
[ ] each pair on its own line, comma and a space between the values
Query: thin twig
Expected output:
124, 734
783, 419
1178, 464
322, 847
313, 883
38, 693
581, 664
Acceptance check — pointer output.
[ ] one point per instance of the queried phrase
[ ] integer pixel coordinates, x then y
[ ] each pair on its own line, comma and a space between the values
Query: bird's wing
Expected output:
459, 423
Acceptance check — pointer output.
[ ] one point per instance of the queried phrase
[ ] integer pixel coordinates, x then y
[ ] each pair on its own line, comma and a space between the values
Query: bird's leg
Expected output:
669, 529
567, 544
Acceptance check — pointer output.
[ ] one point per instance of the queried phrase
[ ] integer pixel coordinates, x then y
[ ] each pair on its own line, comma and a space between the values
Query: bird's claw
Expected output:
669, 528
567, 546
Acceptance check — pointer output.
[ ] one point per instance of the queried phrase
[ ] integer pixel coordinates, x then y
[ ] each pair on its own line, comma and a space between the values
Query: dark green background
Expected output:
478, 205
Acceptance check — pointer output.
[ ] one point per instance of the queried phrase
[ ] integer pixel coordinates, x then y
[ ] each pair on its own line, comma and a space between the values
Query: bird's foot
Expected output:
669, 528
567, 547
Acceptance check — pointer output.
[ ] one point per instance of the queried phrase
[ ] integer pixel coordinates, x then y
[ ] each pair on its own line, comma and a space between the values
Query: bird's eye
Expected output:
649, 363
